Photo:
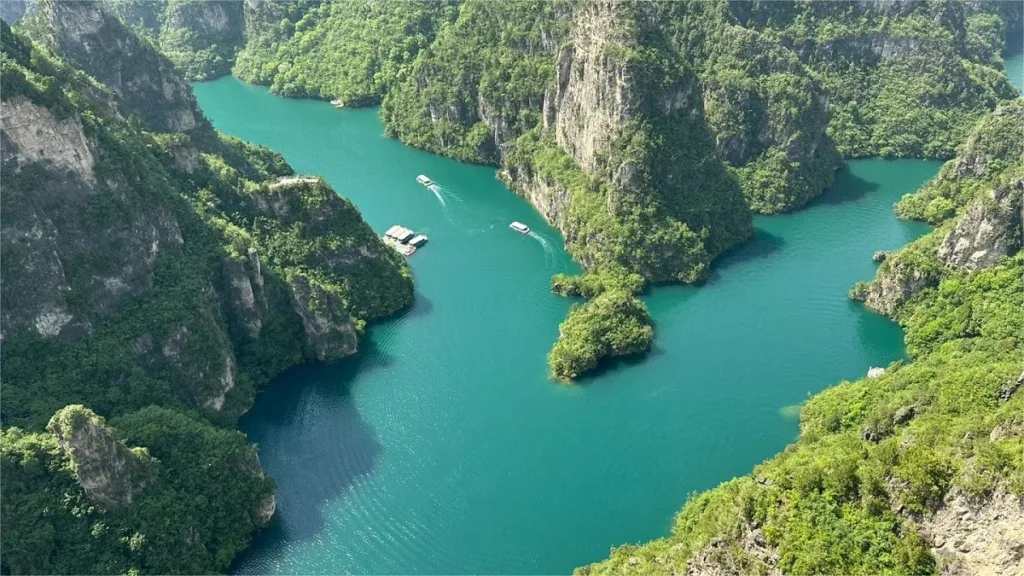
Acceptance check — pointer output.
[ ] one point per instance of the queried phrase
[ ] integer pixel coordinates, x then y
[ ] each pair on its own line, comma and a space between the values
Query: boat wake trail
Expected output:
437, 194
450, 194
549, 252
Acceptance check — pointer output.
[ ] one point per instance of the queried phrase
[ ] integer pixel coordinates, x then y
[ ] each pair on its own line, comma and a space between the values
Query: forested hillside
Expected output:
155, 275
919, 470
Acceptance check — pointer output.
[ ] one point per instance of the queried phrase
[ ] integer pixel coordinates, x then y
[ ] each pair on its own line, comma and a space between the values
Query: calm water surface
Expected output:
443, 448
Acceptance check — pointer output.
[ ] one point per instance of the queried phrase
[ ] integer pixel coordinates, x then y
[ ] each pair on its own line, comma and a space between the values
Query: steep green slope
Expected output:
902, 78
159, 279
919, 469
201, 37
349, 51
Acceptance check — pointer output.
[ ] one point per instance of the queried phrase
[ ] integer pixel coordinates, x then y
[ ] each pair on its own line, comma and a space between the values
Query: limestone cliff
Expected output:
989, 230
978, 535
975, 200
87, 36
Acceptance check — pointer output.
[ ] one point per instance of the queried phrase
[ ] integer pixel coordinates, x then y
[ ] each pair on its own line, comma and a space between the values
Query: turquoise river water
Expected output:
442, 447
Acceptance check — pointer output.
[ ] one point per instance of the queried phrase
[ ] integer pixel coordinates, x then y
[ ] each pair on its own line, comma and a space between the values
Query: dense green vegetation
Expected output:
349, 51
613, 322
200, 37
901, 79
199, 489
983, 162
190, 274
877, 457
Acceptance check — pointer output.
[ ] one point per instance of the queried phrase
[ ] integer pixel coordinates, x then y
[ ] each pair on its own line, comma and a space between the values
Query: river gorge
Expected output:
443, 447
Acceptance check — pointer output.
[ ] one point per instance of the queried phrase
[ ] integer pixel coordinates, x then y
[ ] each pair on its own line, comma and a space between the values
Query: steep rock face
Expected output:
595, 91
86, 35
110, 473
988, 231
206, 378
897, 282
53, 236
544, 194
34, 134
329, 331
978, 537
246, 298
12, 10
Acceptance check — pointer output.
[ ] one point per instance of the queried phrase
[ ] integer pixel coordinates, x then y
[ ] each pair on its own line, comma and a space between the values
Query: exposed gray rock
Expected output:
52, 237
978, 537
988, 230
110, 473
85, 34
904, 415
329, 330
1007, 390
717, 559
897, 282
243, 284
33, 134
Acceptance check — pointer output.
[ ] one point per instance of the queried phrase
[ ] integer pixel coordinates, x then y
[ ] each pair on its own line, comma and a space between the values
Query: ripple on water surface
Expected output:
443, 448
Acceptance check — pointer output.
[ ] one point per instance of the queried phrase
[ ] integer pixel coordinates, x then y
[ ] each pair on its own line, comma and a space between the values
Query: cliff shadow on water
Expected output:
296, 450
848, 187
762, 244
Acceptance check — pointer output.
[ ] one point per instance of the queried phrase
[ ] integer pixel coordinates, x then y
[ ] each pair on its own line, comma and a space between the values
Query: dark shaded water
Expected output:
443, 447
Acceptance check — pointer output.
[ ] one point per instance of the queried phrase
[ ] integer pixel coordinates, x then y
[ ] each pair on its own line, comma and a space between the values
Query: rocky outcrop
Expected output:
85, 34
595, 91
721, 558
988, 231
978, 536
33, 134
243, 281
548, 197
206, 371
110, 473
897, 282
329, 330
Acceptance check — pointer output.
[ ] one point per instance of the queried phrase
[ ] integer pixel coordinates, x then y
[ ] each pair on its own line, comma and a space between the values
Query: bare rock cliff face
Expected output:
978, 537
51, 228
896, 283
594, 94
328, 327
110, 473
86, 35
989, 230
